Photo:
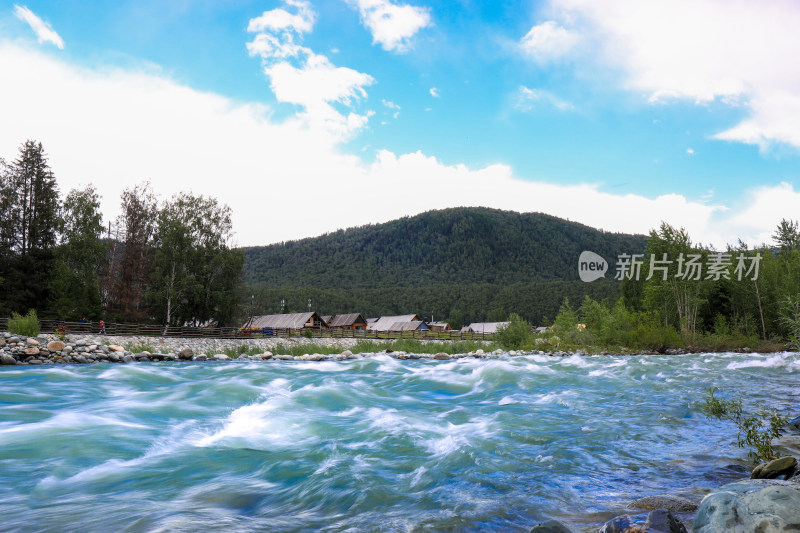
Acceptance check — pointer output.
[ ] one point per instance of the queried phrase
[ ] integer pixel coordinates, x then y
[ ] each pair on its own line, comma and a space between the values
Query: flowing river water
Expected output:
373, 444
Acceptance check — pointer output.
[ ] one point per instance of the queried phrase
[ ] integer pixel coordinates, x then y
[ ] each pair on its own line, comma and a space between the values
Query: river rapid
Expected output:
372, 444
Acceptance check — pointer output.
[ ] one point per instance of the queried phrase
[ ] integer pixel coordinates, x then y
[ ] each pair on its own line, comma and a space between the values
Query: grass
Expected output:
235, 352
139, 347
27, 325
400, 345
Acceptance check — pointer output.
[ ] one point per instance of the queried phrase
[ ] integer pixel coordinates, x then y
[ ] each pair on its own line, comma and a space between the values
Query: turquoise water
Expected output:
372, 444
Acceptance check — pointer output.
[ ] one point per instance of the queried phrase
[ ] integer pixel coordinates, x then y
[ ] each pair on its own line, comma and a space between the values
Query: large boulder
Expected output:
764, 505
32, 350
55, 346
676, 504
185, 353
783, 467
550, 526
620, 524
116, 348
7, 359
662, 521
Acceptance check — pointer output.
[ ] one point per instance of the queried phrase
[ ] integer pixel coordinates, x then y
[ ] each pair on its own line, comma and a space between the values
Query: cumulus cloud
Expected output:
738, 53
300, 76
392, 25
44, 32
548, 41
530, 99
114, 128
434, 92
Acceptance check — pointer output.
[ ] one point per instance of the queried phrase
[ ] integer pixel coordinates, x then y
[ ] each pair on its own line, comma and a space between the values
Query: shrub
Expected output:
757, 431
27, 325
516, 335
790, 318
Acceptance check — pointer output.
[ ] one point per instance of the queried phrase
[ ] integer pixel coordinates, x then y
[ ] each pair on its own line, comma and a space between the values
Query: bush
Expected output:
27, 325
516, 335
756, 431
790, 318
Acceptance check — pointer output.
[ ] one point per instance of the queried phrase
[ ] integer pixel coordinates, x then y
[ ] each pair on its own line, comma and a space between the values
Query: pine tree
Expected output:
28, 229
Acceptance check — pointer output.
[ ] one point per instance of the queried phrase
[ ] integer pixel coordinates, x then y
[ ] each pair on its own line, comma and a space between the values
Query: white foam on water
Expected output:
64, 421
507, 400
416, 476
458, 436
318, 366
439, 438
579, 361
775, 361
271, 422
560, 398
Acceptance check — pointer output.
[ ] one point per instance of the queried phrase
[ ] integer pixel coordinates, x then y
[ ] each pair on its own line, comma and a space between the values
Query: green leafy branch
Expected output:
757, 431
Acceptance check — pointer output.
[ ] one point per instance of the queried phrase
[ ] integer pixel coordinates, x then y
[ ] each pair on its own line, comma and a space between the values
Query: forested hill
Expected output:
450, 246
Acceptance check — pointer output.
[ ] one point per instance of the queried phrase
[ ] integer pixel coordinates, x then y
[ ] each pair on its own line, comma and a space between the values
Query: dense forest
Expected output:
444, 247
164, 261
461, 265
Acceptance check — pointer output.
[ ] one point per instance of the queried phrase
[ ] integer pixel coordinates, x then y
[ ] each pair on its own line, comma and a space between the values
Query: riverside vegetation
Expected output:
170, 262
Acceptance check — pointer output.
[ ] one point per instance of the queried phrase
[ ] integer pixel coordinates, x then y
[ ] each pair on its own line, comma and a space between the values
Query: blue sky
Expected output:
345, 112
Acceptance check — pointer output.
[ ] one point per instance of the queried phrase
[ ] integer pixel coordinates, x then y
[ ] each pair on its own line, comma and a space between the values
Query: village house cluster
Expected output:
357, 322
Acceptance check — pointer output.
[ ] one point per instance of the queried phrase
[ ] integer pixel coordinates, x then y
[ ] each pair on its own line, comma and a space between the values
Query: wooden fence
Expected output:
150, 330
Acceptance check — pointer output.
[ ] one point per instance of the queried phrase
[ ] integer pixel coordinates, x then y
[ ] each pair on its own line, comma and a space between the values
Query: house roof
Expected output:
440, 324
326, 318
346, 320
486, 327
384, 323
284, 321
411, 325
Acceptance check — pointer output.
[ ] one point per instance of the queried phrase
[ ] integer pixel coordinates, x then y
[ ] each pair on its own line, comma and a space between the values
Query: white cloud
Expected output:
281, 20
530, 99
392, 25
299, 76
548, 41
690, 151
44, 32
766, 206
114, 128
738, 53
434, 92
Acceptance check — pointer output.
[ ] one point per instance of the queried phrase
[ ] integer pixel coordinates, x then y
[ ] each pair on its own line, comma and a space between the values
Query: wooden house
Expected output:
351, 321
286, 321
386, 323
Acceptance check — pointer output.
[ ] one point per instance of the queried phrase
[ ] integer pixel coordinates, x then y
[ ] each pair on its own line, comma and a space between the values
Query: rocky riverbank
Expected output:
768, 501
73, 349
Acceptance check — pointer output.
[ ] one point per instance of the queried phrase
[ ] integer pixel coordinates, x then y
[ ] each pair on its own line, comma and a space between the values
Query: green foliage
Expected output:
235, 352
467, 264
80, 258
463, 303
27, 325
131, 255
141, 346
790, 317
399, 345
757, 431
195, 273
515, 335
787, 235
28, 228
